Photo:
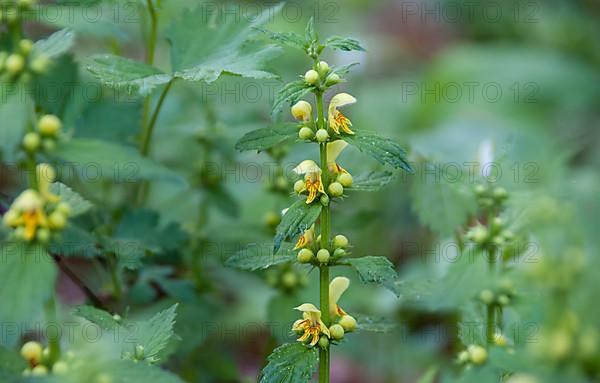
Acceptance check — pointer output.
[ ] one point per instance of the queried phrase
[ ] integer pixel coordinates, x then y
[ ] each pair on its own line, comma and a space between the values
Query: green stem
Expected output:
491, 308
116, 280
53, 339
153, 33
147, 136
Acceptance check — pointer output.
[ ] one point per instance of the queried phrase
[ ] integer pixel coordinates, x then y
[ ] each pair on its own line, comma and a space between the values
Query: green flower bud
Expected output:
479, 234
49, 125
345, 179
487, 297
139, 352
333, 79
463, 356
311, 77
49, 144
32, 352
299, 186
324, 342
282, 183
43, 235
289, 279
323, 255
323, 68
14, 64
60, 368
480, 190
57, 221
339, 253
322, 135
348, 323
25, 46
271, 219
31, 141
117, 318
324, 200
39, 64
305, 256
39, 370
504, 300
340, 241
477, 354
500, 193
336, 189
508, 235
305, 133
337, 332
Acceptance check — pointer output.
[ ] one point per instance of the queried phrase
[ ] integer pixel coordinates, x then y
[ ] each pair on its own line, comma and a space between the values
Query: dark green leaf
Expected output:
382, 149
372, 181
299, 217
290, 94
257, 256
221, 198
14, 116
290, 363
266, 138
344, 43
99, 317
376, 270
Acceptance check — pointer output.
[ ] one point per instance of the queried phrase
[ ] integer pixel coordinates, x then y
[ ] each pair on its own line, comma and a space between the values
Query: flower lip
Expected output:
337, 287
335, 118
307, 166
341, 99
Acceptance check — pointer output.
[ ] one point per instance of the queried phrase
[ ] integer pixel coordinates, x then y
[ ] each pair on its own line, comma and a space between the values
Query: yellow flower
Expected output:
333, 151
310, 326
337, 120
312, 179
46, 175
306, 239
302, 111
337, 287
30, 207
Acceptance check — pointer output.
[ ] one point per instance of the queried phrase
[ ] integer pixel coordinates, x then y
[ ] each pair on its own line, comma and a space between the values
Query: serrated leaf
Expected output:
204, 46
344, 43
110, 161
257, 256
155, 333
310, 33
78, 205
344, 69
266, 138
298, 218
127, 75
289, 39
290, 94
372, 181
377, 270
99, 317
55, 45
290, 363
382, 149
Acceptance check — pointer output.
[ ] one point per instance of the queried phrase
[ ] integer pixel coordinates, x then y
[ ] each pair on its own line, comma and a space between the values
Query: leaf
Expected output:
299, 217
205, 46
344, 69
97, 159
55, 90
344, 44
155, 333
257, 256
289, 39
310, 32
222, 199
127, 75
371, 324
13, 114
266, 138
77, 203
55, 45
290, 93
126, 371
382, 149
377, 270
372, 181
99, 317
290, 363
429, 375
11, 361
28, 275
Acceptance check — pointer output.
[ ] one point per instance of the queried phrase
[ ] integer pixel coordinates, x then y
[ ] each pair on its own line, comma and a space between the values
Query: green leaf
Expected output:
299, 217
13, 114
266, 138
290, 363
310, 32
222, 199
371, 324
28, 275
99, 317
102, 159
11, 362
429, 375
344, 43
290, 93
372, 181
289, 39
344, 69
377, 270
205, 46
126, 371
155, 333
55, 45
76, 202
382, 149
257, 256
127, 75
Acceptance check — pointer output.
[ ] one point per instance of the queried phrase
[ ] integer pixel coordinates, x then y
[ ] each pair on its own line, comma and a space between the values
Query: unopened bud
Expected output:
337, 332
348, 323
302, 111
340, 241
305, 256
336, 189
345, 179
311, 77
305, 133
322, 135
323, 255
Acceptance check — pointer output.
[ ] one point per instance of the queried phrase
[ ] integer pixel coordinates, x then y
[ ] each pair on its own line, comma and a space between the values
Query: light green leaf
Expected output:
429, 375
344, 43
155, 333
266, 138
55, 45
382, 149
128, 75
103, 159
290, 363
377, 270
13, 114
290, 94
122, 371
77, 203
289, 39
372, 181
299, 217
257, 256
371, 324
103, 319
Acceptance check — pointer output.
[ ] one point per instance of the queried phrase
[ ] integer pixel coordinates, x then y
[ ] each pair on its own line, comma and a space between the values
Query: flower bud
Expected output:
477, 354
299, 186
487, 297
57, 221
305, 133
504, 300
40, 64
65, 208
339, 253
31, 141
324, 342
348, 323
305, 256
345, 179
25, 46
480, 190
28, 200
14, 64
336, 189
49, 125
333, 79
39, 370
289, 280
281, 183
311, 77
43, 235
323, 255
45, 173
302, 111
11, 218
324, 200
322, 135
32, 352
60, 368
340, 241
500, 193
139, 352
337, 332
463, 356
500, 340
48, 144
323, 68
479, 234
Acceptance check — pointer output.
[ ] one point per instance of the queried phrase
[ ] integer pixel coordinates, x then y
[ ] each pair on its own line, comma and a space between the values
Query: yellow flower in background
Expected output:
333, 151
306, 239
27, 211
337, 121
312, 179
310, 326
337, 287
46, 175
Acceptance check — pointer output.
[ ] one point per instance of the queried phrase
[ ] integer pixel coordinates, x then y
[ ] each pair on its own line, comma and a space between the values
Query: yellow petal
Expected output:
339, 100
334, 149
306, 166
29, 200
312, 312
336, 288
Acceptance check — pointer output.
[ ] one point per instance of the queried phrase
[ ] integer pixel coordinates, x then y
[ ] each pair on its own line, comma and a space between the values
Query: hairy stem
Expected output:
491, 308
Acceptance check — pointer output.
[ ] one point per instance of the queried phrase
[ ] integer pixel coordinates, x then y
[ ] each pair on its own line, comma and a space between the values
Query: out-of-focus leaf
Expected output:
223, 200
266, 138
371, 324
382, 149
13, 114
259, 256
290, 363
282, 316
78, 205
55, 45
378, 270
289, 39
372, 181
344, 43
298, 218
429, 375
